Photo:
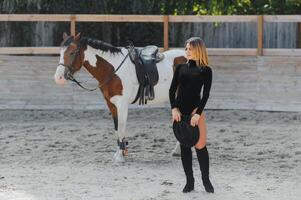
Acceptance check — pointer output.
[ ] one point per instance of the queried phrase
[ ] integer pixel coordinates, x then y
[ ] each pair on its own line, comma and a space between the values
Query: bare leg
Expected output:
202, 132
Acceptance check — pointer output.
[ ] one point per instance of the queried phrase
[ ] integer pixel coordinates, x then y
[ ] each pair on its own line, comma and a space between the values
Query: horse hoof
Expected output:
175, 154
118, 156
119, 159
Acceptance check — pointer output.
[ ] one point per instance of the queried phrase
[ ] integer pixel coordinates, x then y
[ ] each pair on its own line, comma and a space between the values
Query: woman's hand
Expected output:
176, 115
195, 120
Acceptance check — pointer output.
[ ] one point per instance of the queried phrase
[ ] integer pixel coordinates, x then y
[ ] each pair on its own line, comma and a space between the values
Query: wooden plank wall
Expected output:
235, 35
239, 82
270, 83
27, 82
234, 82
220, 35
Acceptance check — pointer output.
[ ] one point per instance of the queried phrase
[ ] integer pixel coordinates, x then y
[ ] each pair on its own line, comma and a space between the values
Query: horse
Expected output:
116, 75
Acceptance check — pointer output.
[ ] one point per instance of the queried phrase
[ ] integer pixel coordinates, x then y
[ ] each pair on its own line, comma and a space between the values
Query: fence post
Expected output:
165, 34
72, 25
298, 35
260, 35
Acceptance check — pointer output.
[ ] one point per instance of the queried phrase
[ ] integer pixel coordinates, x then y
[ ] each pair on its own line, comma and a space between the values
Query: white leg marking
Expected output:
176, 151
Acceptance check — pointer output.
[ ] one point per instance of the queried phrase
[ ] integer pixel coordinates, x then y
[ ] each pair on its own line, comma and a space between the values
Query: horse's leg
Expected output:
122, 110
113, 110
176, 151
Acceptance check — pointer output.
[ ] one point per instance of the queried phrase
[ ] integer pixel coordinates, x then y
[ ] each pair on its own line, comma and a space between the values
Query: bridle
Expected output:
69, 74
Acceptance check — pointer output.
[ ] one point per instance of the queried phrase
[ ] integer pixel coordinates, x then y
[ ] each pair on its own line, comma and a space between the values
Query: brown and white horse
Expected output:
119, 88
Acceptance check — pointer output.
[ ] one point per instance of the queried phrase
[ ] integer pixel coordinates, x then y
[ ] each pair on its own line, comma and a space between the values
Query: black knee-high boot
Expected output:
203, 158
186, 157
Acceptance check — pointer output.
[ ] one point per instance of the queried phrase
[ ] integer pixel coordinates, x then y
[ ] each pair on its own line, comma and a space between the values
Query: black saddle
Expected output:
145, 60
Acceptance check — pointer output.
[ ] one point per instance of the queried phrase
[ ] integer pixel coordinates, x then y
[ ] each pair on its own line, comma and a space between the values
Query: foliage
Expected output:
138, 33
230, 7
171, 7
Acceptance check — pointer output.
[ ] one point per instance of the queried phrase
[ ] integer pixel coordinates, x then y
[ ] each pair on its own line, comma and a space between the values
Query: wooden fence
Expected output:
165, 19
239, 82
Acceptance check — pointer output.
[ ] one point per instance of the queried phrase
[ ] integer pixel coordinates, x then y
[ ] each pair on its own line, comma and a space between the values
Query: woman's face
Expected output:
190, 53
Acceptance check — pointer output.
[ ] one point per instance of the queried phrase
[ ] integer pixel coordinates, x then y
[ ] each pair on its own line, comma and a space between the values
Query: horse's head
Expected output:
71, 59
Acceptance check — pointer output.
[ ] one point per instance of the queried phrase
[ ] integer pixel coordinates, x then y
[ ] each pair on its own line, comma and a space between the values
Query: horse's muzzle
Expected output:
59, 75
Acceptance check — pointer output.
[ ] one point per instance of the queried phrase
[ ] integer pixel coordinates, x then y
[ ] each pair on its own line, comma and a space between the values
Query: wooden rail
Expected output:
165, 19
260, 35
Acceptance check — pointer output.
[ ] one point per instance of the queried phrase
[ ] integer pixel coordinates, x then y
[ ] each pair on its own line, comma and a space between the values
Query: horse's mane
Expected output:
96, 44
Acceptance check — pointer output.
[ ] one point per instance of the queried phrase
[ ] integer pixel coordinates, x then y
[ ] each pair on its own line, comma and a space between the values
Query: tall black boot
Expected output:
203, 158
186, 157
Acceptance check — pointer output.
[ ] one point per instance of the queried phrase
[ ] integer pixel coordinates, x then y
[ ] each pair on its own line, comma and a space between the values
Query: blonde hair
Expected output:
199, 48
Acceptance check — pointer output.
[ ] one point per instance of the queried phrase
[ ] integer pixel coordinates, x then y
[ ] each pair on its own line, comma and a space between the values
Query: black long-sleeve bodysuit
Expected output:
189, 79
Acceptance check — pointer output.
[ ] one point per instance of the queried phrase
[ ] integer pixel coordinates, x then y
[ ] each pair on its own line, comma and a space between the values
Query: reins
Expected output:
110, 78
70, 77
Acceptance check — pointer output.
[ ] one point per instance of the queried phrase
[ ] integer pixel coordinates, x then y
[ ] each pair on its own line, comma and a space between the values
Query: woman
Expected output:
188, 80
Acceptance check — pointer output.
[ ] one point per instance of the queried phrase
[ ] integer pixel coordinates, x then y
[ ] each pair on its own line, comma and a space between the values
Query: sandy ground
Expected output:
61, 154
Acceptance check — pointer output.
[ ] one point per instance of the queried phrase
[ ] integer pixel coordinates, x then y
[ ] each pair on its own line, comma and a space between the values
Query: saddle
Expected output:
145, 60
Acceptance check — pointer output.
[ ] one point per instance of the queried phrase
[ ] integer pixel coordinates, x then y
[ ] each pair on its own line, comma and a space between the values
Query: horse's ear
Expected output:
77, 37
65, 36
